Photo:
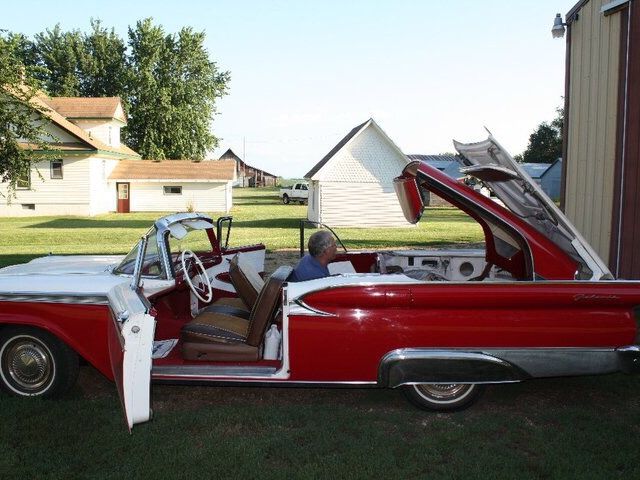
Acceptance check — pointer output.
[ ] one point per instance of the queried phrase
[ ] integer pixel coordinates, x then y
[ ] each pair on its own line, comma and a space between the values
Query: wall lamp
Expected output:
558, 29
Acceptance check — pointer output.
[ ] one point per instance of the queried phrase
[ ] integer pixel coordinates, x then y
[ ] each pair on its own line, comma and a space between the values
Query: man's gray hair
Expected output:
319, 242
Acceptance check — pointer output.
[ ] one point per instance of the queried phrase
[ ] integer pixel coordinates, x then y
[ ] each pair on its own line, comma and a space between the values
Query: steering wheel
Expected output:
207, 291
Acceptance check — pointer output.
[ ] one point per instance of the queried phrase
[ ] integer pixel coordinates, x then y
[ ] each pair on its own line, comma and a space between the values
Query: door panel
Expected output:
123, 197
131, 334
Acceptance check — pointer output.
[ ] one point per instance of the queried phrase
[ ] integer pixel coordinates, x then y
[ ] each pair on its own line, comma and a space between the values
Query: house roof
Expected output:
318, 166
223, 170
82, 135
86, 107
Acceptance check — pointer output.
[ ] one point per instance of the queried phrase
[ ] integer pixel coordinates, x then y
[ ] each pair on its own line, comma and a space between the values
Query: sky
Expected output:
304, 73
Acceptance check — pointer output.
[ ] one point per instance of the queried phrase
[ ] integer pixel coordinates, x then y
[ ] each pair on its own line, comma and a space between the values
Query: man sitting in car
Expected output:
322, 250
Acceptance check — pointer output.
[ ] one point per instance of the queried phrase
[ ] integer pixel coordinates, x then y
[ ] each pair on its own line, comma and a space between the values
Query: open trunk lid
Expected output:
489, 162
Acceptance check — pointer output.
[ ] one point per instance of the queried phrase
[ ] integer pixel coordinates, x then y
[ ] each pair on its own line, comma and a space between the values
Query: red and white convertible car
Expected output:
536, 301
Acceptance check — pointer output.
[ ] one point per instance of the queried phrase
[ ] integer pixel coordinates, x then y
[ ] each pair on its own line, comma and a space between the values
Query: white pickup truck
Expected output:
298, 192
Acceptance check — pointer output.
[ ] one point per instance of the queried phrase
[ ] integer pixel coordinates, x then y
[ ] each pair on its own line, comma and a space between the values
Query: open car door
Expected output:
130, 335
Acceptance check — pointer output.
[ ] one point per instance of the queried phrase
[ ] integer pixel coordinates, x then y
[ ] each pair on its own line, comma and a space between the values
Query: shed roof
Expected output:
87, 107
223, 170
535, 170
346, 140
354, 131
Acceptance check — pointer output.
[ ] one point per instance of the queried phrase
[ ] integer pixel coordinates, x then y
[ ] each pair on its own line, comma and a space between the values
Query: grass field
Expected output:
584, 428
257, 215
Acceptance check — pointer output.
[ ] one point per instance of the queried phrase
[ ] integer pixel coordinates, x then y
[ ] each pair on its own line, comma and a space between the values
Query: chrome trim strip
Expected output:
301, 308
68, 298
212, 371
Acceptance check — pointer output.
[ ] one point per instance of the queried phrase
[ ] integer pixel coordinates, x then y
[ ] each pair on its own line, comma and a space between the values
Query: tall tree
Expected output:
102, 63
545, 143
17, 128
59, 53
173, 88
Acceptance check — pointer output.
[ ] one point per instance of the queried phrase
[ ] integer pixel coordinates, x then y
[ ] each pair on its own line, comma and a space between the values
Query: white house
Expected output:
72, 178
88, 171
173, 185
353, 184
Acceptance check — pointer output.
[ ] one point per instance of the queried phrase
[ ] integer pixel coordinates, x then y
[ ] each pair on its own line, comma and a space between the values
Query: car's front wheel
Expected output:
35, 363
441, 396
285, 199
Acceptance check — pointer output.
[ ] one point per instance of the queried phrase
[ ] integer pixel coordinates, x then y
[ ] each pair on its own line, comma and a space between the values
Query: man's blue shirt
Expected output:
308, 268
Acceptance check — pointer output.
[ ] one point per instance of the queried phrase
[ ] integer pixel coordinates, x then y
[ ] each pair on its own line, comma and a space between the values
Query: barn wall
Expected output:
592, 123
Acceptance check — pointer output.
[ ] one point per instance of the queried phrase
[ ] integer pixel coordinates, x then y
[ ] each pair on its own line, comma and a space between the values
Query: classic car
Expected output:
535, 301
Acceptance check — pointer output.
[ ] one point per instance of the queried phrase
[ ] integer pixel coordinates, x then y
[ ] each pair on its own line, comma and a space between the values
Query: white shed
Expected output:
173, 185
353, 184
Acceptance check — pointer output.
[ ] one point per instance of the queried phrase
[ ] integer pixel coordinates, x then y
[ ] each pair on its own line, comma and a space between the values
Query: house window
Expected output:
56, 169
172, 190
24, 178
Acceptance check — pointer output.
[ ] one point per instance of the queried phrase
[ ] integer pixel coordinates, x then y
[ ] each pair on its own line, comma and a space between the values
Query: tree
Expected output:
102, 63
17, 112
173, 87
59, 53
545, 143
167, 83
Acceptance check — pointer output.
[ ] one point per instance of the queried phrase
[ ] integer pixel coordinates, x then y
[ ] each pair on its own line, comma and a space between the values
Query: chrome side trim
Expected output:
560, 362
501, 365
212, 371
68, 298
301, 308
420, 365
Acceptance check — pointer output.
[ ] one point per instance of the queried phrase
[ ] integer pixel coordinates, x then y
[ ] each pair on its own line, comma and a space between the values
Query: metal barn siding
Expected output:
625, 254
592, 121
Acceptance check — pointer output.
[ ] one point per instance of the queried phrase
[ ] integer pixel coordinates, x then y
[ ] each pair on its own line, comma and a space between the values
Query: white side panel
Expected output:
360, 205
313, 204
103, 193
205, 197
107, 131
69, 195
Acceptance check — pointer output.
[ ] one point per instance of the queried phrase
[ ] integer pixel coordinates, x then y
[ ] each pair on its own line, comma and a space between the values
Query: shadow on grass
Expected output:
91, 223
6, 260
269, 223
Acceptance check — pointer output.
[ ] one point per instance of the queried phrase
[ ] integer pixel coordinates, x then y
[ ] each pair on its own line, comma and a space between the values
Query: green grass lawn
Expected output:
584, 428
258, 216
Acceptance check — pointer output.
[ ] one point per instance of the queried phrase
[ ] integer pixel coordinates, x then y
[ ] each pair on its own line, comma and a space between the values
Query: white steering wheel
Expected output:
201, 272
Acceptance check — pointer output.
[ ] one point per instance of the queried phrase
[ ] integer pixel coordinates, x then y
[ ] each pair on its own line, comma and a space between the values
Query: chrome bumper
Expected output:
629, 359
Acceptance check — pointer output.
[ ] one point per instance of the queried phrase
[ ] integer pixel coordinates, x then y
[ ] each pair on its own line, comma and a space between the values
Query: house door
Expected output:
123, 197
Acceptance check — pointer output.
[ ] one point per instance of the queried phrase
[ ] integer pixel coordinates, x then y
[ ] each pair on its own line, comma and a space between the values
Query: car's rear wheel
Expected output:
443, 396
285, 199
34, 363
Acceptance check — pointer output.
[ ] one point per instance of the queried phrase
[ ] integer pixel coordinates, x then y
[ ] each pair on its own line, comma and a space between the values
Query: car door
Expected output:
130, 333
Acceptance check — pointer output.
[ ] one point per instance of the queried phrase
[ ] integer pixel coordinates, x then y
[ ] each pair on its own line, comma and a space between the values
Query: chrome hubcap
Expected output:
442, 391
28, 364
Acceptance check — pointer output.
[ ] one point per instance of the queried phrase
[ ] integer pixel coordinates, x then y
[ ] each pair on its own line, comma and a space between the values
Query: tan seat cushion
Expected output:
216, 327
